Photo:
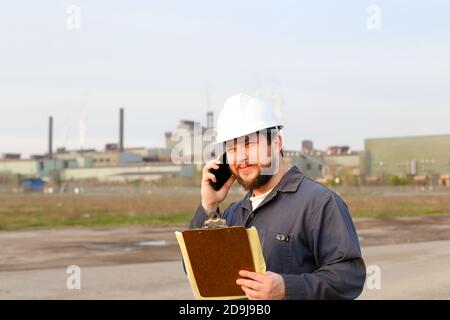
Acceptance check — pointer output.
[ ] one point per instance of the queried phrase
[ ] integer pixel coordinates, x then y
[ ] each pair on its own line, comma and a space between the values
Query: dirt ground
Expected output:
407, 271
144, 263
42, 249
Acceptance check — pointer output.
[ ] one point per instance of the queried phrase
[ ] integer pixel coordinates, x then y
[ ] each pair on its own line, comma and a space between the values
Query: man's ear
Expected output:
279, 142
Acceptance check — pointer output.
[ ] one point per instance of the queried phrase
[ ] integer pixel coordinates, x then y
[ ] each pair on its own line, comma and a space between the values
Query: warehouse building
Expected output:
310, 165
142, 172
425, 158
346, 167
34, 168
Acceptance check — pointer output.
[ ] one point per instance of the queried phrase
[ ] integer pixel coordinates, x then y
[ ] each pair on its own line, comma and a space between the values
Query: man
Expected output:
306, 232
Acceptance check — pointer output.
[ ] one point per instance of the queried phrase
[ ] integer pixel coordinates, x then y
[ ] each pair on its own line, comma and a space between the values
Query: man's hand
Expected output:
210, 197
257, 286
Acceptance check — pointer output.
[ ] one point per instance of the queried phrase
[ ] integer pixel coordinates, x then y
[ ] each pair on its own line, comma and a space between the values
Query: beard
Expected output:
257, 182
260, 179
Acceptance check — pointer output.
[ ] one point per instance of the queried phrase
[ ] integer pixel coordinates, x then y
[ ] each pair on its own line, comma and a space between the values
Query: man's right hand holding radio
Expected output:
210, 197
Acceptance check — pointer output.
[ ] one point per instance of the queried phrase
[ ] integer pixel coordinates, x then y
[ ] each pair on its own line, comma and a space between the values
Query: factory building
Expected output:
189, 140
310, 165
32, 168
142, 172
424, 158
325, 166
116, 163
99, 159
343, 165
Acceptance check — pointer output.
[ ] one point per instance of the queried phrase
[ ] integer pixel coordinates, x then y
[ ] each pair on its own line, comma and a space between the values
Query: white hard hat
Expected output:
242, 115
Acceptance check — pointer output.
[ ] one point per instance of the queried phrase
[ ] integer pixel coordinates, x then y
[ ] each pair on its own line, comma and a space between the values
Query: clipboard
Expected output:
215, 254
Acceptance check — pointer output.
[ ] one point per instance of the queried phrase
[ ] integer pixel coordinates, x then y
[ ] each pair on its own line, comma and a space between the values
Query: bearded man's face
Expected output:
248, 158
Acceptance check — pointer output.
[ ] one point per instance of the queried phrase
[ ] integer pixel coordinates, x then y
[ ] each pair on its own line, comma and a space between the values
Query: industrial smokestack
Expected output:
209, 120
50, 137
121, 147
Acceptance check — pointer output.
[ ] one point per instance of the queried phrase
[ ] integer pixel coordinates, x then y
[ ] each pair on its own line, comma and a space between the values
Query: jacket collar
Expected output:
288, 183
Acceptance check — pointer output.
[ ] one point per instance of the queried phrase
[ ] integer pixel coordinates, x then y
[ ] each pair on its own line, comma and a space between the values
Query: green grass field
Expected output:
171, 208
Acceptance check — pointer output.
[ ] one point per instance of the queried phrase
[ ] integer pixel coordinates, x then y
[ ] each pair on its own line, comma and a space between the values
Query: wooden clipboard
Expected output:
214, 256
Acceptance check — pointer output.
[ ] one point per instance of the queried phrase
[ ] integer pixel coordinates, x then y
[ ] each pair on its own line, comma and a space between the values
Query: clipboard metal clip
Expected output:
215, 221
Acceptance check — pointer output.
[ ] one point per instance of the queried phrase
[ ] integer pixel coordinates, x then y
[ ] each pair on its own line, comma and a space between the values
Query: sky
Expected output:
346, 70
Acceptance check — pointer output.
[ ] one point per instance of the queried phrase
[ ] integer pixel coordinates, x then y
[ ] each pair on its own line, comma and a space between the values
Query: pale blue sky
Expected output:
341, 82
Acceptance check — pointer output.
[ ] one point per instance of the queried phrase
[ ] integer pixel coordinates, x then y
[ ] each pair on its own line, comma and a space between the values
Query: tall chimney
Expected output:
50, 137
121, 147
209, 120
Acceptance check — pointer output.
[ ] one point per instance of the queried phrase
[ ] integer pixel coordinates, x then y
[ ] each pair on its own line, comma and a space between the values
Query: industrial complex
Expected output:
417, 160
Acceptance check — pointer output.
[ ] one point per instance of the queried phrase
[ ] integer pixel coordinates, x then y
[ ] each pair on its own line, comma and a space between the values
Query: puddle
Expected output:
109, 247
153, 243
125, 247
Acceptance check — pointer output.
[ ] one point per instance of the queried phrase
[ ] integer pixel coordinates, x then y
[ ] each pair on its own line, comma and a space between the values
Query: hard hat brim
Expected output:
251, 131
